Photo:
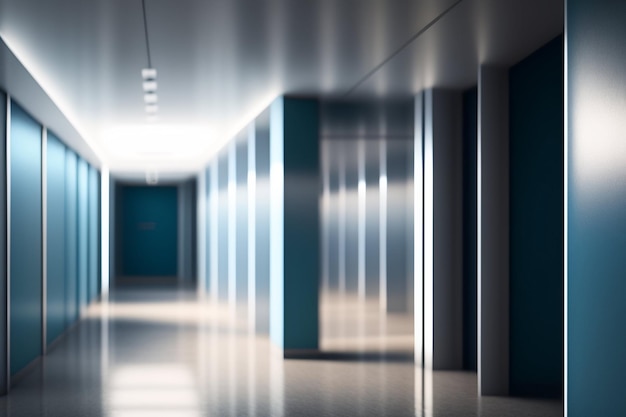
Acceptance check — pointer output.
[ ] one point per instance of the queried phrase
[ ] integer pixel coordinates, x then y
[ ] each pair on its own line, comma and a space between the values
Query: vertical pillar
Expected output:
294, 223
397, 277
408, 188
112, 223
232, 225
241, 185
443, 348
341, 219
382, 225
4, 281
222, 227
372, 219
214, 231
333, 215
325, 215
201, 236
262, 221
493, 231
361, 190
418, 231
44, 239
251, 207
351, 218
106, 231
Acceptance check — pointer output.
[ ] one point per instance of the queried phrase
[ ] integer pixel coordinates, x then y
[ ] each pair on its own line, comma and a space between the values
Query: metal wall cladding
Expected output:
367, 204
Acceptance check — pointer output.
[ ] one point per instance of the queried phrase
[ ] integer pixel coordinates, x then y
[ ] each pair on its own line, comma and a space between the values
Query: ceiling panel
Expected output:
221, 61
498, 32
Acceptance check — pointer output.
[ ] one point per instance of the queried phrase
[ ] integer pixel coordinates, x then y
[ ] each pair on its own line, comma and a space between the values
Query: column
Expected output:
214, 231
222, 227
262, 221
232, 226
493, 231
418, 231
294, 224
4, 283
241, 250
443, 347
396, 233
202, 182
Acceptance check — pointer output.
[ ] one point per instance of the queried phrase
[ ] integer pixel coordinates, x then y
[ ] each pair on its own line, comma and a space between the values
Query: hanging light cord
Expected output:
145, 27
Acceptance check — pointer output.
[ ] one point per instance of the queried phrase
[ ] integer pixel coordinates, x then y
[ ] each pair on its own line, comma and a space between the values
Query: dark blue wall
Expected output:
596, 207
536, 223
25, 239
149, 229
55, 238
71, 236
470, 131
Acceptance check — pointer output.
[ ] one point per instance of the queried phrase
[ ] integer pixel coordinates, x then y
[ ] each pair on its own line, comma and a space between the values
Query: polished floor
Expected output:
165, 353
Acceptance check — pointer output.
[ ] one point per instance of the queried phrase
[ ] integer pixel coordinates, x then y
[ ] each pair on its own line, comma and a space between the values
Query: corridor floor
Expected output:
164, 353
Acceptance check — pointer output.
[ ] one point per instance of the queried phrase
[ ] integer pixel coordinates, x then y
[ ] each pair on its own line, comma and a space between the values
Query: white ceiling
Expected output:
220, 62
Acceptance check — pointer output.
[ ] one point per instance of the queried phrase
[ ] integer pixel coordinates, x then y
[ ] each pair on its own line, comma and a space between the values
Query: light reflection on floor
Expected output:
350, 323
164, 353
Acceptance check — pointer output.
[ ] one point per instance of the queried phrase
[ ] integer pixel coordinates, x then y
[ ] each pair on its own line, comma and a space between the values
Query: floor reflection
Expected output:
152, 389
354, 323
165, 353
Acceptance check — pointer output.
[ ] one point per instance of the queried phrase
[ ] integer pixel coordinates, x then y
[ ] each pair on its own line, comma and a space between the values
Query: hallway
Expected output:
162, 352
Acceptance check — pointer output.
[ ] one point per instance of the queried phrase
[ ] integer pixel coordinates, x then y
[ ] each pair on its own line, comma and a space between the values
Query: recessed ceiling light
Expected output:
150, 141
149, 86
150, 98
152, 108
149, 73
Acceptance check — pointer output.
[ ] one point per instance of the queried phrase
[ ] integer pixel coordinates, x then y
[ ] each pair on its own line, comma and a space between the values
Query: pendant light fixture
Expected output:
149, 75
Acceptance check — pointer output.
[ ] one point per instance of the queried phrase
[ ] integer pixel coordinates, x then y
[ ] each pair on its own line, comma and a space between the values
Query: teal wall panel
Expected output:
71, 237
83, 233
536, 223
294, 223
55, 238
94, 234
149, 229
596, 281
118, 244
25, 239
301, 223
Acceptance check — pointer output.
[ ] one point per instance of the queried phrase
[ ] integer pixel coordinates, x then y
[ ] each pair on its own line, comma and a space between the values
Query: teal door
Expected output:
149, 231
